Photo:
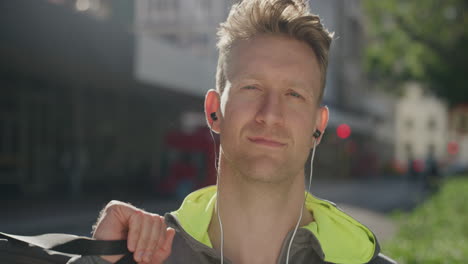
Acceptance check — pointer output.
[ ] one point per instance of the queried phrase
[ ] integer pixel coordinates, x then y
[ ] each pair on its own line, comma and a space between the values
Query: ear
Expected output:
321, 123
212, 103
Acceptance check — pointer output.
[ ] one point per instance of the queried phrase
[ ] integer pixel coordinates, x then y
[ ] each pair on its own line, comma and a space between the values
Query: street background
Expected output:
103, 99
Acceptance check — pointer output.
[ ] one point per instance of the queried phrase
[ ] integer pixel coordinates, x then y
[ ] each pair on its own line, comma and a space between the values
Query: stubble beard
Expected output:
261, 168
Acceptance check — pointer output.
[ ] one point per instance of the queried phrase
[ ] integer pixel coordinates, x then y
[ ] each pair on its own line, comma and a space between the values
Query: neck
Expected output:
256, 216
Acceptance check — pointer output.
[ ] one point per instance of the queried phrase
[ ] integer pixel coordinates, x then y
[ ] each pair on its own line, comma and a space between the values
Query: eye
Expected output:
295, 94
249, 87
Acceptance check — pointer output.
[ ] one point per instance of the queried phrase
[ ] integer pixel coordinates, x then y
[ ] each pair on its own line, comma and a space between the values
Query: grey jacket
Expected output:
185, 249
333, 236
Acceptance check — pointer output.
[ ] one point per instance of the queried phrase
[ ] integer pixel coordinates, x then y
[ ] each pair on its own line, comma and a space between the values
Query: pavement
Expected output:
370, 202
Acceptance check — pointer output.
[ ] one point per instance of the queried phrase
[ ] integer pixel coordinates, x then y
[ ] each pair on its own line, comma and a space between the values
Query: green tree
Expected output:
423, 40
436, 232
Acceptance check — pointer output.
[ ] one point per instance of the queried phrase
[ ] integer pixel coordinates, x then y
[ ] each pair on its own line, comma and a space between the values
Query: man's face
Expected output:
269, 107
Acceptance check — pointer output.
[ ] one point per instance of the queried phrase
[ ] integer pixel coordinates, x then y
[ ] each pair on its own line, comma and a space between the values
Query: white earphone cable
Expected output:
305, 199
218, 209
217, 198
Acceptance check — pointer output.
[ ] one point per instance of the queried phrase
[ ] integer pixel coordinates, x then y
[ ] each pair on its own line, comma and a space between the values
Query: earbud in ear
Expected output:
317, 133
213, 116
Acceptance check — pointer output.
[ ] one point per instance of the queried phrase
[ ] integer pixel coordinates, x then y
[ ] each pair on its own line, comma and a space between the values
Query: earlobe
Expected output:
211, 110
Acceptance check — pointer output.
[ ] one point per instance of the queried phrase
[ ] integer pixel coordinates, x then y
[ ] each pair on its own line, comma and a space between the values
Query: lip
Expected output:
266, 142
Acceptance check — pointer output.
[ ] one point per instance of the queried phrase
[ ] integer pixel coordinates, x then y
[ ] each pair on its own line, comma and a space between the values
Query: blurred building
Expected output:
72, 115
172, 47
458, 138
368, 114
92, 91
189, 25
381, 107
421, 126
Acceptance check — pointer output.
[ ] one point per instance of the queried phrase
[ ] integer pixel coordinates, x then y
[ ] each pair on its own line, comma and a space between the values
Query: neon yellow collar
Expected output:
343, 239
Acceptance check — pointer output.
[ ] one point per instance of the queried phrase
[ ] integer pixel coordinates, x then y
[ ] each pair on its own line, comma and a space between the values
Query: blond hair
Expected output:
287, 17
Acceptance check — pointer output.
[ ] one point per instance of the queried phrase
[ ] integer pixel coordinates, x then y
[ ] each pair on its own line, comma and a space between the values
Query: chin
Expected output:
265, 170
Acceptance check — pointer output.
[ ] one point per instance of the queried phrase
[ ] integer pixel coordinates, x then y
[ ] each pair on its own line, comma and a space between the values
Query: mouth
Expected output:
266, 142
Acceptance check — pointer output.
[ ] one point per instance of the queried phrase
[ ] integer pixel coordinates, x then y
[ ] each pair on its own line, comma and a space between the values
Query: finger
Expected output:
160, 237
165, 251
170, 233
134, 229
143, 240
154, 238
113, 221
162, 234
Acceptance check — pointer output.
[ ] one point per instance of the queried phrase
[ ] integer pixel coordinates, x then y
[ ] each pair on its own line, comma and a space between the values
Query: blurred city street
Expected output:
368, 201
104, 100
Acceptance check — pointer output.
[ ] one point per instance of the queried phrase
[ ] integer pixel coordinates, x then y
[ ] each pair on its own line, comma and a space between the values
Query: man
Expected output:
267, 110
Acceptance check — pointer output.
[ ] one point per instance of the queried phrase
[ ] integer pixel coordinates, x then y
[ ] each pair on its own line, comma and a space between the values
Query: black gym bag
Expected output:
57, 249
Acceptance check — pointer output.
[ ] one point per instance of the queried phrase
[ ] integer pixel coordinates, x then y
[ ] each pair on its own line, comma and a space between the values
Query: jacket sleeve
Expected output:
382, 259
87, 260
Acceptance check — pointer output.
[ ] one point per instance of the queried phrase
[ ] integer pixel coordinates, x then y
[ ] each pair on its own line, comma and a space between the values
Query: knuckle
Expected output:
161, 219
151, 220
113, 205
136, 218
114, 202
139, 213
155, 218
148, 220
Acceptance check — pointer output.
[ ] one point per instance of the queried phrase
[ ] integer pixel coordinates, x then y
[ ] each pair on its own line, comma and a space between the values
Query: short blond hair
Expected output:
283, 17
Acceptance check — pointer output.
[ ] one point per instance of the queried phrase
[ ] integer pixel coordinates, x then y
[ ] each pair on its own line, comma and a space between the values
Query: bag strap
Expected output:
77, 245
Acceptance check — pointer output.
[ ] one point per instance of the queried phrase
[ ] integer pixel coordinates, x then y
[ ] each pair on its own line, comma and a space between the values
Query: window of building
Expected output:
409, 124
170, 37
431, 124
431, 150
409, 151
463, 122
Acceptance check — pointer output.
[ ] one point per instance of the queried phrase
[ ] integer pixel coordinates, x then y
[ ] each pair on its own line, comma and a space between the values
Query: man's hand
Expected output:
147, 234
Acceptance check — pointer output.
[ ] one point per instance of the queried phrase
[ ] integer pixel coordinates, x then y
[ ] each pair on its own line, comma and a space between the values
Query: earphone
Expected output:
213, 116
316, 135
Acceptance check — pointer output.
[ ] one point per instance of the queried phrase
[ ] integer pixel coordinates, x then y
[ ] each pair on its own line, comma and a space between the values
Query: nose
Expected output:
270, 110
